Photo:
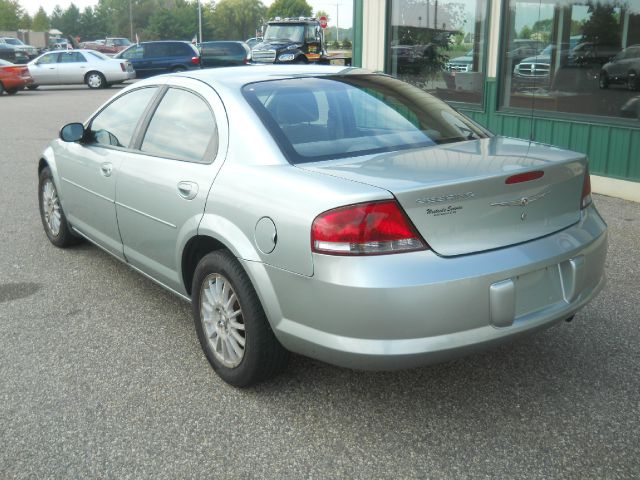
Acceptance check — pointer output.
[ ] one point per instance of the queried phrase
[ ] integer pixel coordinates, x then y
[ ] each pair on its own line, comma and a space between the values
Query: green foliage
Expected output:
238, 19
41, 21
525, 32
289, 8
25, 21
335, 45
602, 27
10, 13
322, 13
346, 44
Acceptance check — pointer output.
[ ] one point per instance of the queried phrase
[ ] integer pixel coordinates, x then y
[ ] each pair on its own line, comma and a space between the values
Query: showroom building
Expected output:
561, 72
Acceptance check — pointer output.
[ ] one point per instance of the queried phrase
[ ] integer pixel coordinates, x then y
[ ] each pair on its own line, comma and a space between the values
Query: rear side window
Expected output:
115, 125
182, 128
71, 57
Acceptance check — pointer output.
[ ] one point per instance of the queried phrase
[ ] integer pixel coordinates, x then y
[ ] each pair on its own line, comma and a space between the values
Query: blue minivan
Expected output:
153, 58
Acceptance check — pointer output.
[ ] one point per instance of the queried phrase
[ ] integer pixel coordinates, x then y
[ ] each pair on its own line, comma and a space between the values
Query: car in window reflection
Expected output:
623, 69
461, 64
326, 211
13, 77
69, 67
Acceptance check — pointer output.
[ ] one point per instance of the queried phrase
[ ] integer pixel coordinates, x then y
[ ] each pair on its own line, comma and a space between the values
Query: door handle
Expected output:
106, 169
188, 190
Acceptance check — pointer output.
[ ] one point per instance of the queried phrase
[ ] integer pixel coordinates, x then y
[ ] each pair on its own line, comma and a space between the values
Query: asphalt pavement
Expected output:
102, 376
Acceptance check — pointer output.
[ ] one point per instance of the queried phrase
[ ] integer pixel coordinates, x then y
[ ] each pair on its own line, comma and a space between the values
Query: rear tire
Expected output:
53, 218
231, 324
32, 87
13, 91
95, 80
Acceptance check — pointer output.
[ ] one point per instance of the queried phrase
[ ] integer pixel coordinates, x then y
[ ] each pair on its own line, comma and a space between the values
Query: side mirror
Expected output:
72, 132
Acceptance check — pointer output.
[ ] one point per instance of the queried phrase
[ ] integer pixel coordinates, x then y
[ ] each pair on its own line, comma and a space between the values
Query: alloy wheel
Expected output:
51, 207
222, 318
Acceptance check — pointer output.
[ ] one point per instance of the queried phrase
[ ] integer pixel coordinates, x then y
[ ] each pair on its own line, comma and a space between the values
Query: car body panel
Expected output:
14, 77
379, 311
52, 68
160, 57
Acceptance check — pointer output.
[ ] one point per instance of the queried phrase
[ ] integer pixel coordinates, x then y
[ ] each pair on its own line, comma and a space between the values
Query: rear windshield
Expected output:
330, 117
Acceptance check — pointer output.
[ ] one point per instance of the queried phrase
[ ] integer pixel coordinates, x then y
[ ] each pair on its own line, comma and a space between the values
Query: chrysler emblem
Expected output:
523, 201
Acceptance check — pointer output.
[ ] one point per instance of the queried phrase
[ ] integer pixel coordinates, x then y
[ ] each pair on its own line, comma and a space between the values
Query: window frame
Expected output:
211, 152
480, 106
537, 114
136, 130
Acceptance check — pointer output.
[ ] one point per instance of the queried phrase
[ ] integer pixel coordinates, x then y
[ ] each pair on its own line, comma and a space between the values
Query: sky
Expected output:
342, 8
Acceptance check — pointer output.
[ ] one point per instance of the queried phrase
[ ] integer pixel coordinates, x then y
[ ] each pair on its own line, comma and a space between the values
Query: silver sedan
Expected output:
66, 67
331, 212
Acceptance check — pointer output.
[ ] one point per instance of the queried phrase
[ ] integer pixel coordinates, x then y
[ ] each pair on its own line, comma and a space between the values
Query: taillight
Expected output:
586, 190
123, 67
195, 60
374, 228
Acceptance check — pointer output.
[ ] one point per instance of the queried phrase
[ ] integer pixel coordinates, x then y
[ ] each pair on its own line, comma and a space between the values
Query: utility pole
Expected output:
199, 21
130, 20
337, 22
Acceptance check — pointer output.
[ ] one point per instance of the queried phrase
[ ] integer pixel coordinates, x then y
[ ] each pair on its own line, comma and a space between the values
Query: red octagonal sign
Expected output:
323, 21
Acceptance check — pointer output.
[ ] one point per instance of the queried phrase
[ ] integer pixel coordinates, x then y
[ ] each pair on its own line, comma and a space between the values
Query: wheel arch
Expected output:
196, 248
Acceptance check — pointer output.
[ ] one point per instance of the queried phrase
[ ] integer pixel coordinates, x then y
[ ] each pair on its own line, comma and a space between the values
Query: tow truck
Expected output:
294, 40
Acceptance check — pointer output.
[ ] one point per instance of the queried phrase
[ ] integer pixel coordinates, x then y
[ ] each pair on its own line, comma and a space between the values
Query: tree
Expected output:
70, 21
323, 13
41, 21
238, 19
10, 13
289, 8
602, 27
525, 32
25, 21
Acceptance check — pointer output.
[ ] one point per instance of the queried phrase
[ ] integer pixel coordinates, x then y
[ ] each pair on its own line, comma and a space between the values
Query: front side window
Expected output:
583, 61
115, 125
439, 46
48, 59
343, 116
182, 128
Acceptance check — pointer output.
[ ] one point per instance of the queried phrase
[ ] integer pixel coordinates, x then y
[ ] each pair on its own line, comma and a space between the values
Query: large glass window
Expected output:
335, 117
573, 57
439, 46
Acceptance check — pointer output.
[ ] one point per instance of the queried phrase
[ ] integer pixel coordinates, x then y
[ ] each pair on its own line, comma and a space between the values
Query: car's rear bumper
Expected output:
403, 310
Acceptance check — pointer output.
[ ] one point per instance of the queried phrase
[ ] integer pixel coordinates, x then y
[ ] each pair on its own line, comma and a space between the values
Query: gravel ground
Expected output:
102, 376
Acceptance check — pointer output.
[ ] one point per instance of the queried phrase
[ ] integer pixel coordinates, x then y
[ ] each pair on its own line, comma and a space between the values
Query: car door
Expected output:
89, 169
44, 70
72, 67
135, 54
161, 194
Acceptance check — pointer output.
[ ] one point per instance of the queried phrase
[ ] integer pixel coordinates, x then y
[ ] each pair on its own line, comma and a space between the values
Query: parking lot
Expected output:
102, 376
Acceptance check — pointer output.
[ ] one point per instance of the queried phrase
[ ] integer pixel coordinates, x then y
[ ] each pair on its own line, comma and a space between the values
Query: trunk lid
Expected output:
458, 197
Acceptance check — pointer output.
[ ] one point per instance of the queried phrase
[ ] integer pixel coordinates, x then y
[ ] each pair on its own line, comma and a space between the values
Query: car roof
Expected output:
236, 77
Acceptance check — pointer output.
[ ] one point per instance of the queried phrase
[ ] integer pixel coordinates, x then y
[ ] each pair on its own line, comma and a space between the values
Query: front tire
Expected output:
95, 80
53, 218
32, 86
632, 82
603, 81
231, 324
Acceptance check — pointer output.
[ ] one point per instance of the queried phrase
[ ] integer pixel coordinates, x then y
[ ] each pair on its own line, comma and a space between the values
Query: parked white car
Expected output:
65, 67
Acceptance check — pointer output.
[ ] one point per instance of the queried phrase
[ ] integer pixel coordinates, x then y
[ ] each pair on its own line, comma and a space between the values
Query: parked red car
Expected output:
13, 77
